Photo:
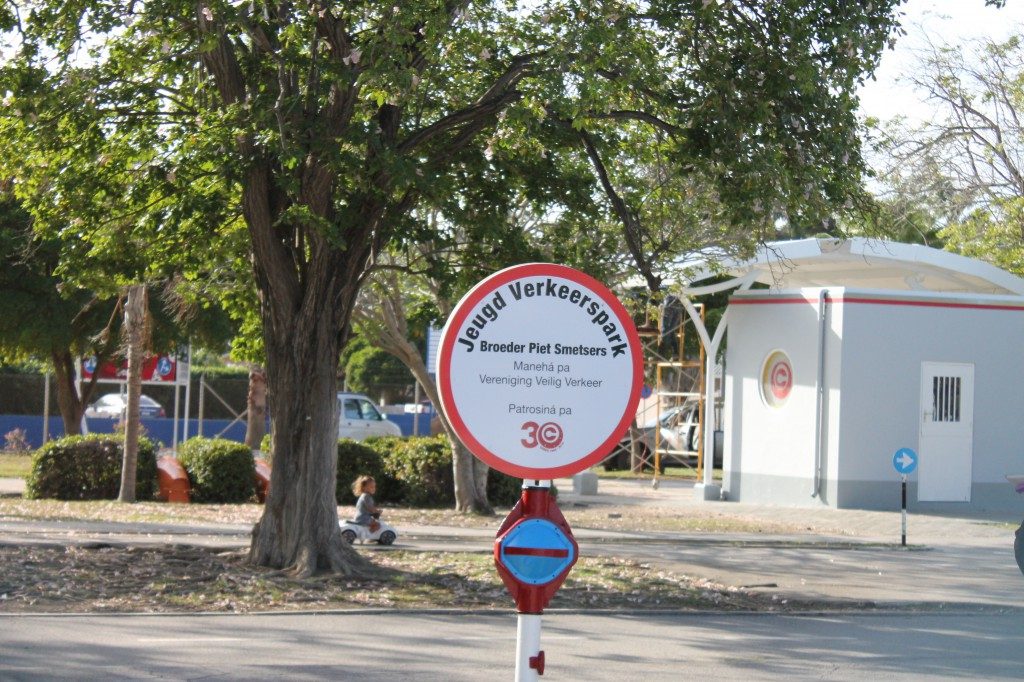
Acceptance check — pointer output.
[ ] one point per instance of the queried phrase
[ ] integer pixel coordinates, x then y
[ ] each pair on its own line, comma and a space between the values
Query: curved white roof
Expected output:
864, 264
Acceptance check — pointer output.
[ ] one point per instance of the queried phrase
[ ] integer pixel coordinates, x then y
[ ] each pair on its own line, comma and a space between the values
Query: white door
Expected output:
947, 432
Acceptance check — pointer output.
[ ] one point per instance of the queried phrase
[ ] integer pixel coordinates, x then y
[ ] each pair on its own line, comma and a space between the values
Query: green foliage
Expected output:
992, 234
504, 490
218, 470
423, 468
371, 368
358, 459
88, 468
416, 471
295, 143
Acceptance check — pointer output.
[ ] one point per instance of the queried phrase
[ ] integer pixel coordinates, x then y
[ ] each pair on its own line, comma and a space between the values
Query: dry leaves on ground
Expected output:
42, 579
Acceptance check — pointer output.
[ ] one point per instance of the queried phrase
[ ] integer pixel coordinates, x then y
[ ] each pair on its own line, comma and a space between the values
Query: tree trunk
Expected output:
480, 474
135, 329
636, 459
71, 406
256, 412
468, 472
299, 528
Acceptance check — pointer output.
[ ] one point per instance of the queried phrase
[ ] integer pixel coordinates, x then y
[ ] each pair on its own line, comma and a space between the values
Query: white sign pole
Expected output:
527, 646
188, 389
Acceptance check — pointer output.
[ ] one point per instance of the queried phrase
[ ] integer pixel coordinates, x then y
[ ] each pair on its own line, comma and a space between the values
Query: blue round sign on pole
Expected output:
904, 461
536, 551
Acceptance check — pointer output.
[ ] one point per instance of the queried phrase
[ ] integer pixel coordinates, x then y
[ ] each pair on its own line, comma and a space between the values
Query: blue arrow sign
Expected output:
904, 461
536, 551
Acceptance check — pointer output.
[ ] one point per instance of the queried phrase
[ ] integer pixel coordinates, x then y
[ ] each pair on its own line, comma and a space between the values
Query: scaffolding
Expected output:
679, 399
671, 376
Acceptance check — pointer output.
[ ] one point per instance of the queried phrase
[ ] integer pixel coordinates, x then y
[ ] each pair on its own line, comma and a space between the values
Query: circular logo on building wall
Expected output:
776, 378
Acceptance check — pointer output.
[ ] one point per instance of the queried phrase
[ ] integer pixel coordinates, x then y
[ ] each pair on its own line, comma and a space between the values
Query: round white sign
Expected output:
539, 370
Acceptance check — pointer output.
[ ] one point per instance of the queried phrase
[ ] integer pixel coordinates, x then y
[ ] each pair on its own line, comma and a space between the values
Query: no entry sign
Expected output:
536, 551
539, 370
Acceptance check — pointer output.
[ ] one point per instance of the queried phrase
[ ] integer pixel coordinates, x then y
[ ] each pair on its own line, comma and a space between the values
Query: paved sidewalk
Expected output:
838, 556
12, 487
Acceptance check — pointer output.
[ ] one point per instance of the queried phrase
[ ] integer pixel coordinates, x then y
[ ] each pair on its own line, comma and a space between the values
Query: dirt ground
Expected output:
177, 578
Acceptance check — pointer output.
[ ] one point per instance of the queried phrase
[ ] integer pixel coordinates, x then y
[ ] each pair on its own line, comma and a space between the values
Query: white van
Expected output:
359, 418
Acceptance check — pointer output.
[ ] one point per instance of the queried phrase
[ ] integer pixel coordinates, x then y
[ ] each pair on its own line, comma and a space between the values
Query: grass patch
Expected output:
15, 465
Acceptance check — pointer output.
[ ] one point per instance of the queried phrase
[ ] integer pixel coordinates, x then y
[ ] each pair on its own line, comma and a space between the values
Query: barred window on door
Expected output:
946, 399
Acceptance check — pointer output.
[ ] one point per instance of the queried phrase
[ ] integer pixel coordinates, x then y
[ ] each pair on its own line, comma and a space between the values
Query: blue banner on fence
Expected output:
162, 429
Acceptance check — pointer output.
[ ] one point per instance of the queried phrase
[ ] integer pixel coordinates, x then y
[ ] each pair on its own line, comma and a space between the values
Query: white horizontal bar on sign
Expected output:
680, 394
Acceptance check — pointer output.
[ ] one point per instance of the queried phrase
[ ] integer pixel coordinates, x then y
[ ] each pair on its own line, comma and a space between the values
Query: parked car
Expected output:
679, 439
114, 406
359, 418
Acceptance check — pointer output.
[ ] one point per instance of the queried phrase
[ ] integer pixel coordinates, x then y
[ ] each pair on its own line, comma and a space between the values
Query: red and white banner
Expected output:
159, 369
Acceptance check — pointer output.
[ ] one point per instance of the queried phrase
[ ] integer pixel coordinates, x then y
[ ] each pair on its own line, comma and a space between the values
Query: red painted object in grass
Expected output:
172, 480
262, 479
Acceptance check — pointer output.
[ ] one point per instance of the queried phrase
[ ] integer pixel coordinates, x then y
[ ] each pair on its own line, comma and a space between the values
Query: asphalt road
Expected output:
481, 646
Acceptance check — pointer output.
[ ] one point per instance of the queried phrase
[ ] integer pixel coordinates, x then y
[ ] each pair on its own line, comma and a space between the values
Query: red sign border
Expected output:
448, 339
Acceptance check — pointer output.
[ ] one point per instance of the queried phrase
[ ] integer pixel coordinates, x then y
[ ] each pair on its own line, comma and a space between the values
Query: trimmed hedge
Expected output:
356, 459
423, 468
89, 468
414, 471
504, 490
218, 470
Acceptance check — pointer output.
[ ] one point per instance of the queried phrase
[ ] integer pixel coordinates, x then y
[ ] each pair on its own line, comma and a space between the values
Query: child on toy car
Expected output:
367, 511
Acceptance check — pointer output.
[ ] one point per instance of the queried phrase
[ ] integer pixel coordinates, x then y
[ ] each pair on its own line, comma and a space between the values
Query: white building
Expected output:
859, 348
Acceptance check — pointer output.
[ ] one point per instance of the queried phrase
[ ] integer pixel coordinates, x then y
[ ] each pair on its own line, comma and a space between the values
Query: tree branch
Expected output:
497, 97
631, 228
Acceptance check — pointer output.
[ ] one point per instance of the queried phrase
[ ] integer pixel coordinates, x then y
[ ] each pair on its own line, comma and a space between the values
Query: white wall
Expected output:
887, 340
875, 344
770, 451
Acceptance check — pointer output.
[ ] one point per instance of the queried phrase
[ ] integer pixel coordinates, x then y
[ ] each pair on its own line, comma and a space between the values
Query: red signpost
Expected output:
539, 373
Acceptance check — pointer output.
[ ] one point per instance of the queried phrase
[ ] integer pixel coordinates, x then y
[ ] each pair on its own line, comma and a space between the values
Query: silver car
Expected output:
114, 406
359, 418
679, 439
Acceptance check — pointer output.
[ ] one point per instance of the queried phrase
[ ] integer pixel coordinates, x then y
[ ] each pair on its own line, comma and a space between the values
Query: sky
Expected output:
947, 22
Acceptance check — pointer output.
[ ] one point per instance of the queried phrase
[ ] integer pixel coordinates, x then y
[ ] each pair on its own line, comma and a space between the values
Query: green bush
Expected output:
357, 459
503, 490
89, 468
422, 466
418, 472
218, 470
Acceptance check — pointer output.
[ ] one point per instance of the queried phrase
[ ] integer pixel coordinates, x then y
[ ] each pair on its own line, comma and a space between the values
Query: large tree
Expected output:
962, 170
46, 319
53, 317
331, 122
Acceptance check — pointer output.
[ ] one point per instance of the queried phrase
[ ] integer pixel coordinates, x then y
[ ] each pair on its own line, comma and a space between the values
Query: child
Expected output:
367, 511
